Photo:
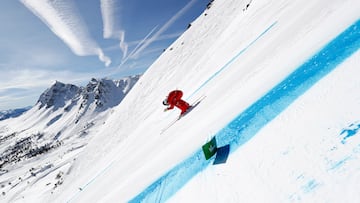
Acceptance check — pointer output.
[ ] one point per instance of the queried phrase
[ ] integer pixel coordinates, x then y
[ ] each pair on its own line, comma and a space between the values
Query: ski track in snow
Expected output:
248, 123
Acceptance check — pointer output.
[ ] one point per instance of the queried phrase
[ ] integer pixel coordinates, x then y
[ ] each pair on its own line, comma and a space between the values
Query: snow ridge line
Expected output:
232, 59
245, 126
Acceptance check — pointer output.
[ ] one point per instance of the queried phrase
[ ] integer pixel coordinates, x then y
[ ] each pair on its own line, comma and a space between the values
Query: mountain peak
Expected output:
57, 95
105, 92
99, 93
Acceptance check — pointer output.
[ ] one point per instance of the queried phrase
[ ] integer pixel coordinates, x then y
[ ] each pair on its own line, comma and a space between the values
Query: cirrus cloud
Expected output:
111, 22
62, 19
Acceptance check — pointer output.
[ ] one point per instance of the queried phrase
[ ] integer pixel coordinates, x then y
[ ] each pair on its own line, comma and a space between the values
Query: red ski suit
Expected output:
174, 99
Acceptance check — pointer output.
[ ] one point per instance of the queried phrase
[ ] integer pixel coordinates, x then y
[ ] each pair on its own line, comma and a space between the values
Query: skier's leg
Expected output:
184, 106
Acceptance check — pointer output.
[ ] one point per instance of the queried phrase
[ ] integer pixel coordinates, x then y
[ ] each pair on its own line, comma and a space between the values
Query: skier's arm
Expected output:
170, 107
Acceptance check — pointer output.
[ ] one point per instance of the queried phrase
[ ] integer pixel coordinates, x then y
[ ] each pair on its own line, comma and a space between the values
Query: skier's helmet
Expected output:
165, 102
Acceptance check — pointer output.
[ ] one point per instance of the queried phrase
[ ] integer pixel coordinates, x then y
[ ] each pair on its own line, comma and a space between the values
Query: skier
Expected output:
174, 99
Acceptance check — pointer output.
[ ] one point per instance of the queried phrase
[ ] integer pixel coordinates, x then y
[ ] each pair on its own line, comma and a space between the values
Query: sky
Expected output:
72, 41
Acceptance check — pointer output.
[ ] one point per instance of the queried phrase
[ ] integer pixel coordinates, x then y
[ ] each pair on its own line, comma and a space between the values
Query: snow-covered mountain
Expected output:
12, 113
282, 91
49, 136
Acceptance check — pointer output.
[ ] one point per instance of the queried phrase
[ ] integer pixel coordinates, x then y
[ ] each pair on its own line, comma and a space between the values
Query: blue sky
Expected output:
74, 40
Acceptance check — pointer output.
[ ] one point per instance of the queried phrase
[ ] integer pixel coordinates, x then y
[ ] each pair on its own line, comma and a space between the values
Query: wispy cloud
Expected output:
12, 102
162, 30
139, 45
160, 38
110, 18
61, 17
111, 22
112, 29
15, 98
23, 87
32, 78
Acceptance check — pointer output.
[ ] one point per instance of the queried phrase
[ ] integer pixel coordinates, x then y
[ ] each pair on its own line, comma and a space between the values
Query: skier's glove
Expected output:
165, 110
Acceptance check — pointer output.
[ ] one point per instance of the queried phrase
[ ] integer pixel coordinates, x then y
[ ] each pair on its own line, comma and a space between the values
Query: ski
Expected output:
169, 125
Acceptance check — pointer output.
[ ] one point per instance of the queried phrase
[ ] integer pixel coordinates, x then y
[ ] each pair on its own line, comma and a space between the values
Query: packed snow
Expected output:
282, 89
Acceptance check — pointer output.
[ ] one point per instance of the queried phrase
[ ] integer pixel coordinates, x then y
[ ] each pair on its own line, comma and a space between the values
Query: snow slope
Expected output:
281, 85
235, 53
39, 146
